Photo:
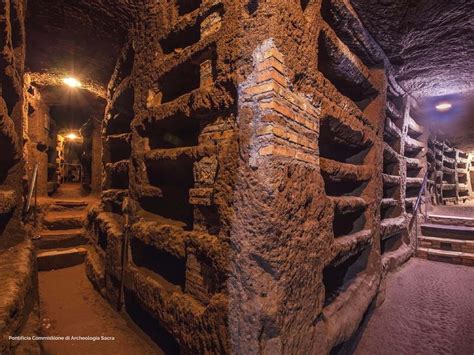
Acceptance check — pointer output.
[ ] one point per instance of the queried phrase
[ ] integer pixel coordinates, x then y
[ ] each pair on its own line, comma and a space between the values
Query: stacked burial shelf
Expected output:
448, 169
116, 142
402, 170
53, 167
117, 131
392, 208
415, 156
403, 148
174, 242
462, 175
10, 152
10, 97
346, 147
432, 171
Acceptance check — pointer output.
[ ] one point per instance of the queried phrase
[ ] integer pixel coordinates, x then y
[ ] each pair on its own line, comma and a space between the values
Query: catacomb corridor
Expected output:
236, 177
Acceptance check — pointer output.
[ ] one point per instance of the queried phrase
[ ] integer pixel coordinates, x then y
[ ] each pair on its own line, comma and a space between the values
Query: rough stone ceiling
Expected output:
80, 37
430, 42
63, 96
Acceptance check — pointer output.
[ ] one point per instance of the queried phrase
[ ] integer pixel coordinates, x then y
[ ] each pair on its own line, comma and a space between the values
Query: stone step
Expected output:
68, 205
446, 256
58, 221
451, 220
60, 258
447, 231
71, 203
60, 239
465, 246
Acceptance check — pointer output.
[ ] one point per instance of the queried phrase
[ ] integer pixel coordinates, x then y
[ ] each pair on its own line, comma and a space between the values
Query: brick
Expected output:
306, 106
206, 73
263, 88
220, 135
271, 63
286, 152
288, 113
308, 158
273, 53
289, 136
272, 75
265, 130
267, 150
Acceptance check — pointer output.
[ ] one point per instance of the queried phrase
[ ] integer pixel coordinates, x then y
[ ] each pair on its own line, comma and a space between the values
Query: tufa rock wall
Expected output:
260, 162
39, 141
18, 299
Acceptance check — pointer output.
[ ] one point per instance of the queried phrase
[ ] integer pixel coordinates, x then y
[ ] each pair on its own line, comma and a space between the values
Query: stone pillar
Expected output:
39, 140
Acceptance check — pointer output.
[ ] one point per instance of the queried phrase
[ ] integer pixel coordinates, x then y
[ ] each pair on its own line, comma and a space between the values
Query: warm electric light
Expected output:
443, 106
72, 136
72, 82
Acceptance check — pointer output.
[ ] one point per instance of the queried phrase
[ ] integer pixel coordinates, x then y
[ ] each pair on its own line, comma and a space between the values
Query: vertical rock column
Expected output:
462, 176
181, 174
18, 299
106, 221
306, 228
38, 142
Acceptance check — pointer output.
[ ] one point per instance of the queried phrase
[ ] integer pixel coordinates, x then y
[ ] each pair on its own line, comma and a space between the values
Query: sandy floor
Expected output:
429, 309
462, 210
71, 307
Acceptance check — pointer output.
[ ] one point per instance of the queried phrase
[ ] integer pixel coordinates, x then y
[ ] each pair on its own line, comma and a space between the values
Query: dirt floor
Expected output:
71, 307
429, 309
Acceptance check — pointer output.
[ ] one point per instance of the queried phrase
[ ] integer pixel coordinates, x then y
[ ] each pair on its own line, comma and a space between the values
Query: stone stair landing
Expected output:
451, 220
447, 239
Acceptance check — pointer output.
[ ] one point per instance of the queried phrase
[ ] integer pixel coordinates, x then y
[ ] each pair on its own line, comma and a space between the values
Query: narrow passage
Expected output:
71, 307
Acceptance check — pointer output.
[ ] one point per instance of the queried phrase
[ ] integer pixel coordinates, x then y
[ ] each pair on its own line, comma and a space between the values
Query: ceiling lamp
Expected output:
72, 82
72, 136
443, 106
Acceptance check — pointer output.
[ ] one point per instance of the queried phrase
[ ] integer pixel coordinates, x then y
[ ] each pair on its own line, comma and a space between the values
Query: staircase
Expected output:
447, 239
61, 243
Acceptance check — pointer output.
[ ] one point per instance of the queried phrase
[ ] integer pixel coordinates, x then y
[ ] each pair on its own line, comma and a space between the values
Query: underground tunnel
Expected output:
236, 177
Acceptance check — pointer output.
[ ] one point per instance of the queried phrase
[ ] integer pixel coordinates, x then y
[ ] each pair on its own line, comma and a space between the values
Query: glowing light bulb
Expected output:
72, 136
443, 106
72, 82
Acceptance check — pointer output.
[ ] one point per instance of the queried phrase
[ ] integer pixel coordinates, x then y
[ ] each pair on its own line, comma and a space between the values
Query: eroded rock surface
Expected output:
429, 42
